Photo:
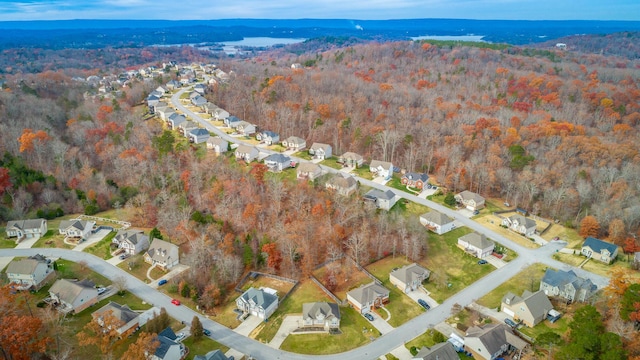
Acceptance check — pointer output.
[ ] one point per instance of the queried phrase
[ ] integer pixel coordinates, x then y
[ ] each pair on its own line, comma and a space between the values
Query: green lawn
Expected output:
426, 339
52, 240
401, 306
363, 172
71, 270
332, 163
409, 208
102, 248
306, 292
304, 154
396, 183
276, 147
451, 268
6, 243
289, 175
356, 331
438, 197
527, 279
202, 346
138, 267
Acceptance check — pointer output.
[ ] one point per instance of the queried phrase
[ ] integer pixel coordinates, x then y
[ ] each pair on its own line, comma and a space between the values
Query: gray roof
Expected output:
295, 140
76, 224
24, 266
309, 167
212, 355
279, 158
538, 303
199, 132
259, 297
246, 149
523, 220
437, 217
131, 235
342, 180
269, 133
379, 194
351, 156
468, 195
376, 163
494, 336
218, 141
68, 291
322, 146
368, 293
562, 278
167, 339
120, 312
598, 245
416, 176
26, 224
408, 273
440, 351
320, 310
161, 250
478, 240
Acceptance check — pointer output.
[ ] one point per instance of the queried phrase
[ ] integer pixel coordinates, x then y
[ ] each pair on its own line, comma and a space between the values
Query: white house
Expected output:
76, 228
320, 151
132, 241
268, 137
294, 143
246, 153
382, 199
381, 168
26, 228
162, 254
476, 244
217, 144
258, 302
520, 224
321, 314
437, 222
470, 200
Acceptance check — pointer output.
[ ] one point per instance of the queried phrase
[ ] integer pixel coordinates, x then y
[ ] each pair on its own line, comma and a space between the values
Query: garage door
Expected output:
508, 312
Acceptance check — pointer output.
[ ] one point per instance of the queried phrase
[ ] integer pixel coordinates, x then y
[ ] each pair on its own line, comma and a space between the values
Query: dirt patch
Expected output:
261, 281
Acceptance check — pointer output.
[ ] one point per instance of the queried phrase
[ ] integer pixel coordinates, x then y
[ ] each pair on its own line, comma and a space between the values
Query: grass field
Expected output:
332, 163
356, 331
492, 222
426, 339
102, 248
202, 346
363, 172
282, 287
71, 270
527, 279
451, 268
595, 266
409, 208
401, 306
304, 154
138, 267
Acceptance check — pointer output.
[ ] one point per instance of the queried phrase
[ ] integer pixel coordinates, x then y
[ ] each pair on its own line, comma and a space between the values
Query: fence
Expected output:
257, 273
125, 224
375, 279
326, 291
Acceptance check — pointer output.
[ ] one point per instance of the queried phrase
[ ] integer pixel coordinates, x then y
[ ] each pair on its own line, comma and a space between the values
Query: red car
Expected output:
175, 302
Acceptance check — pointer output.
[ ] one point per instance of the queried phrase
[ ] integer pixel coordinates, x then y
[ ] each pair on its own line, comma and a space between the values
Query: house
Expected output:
152, 100
296, 66
132, 241
437, 222
258, 302
600, 250
32, 272
164, 113
320, 151
175, 120
26, 228
342, 183
520, 224
186, 127
245, 128
169, 347
198, 135
277, 162
490, 341
76, 228
162, 254
127, 318
321, 314
530, 308
73, 296
172, 85
200, 89
476, 244
217, 144
367, 297
470, 200
440, 351
220, 114
381, 168
246, 153
415, 180
212, 355
231, 121
209, 108
567, 285
409, 277
294, 143
382, 199
268, 137
351, 159
308, 171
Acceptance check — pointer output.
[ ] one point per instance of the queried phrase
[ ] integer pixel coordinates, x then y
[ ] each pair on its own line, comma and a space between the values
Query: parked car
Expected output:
369, 316
510, 322
162, 282
206, 332
124, 256
424, 304
101, 290
175, 302
476, 212
180, 336
482, 262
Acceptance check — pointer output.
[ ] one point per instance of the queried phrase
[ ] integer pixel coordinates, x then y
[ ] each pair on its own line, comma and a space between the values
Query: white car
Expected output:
180, 336
101, 290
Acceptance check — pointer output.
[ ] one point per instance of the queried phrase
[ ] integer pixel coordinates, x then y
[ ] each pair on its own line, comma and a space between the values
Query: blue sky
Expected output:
296, 9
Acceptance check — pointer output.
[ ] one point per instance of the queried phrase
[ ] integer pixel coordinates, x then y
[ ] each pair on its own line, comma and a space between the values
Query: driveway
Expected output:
498, 263
24, 244
465, 212
94, 238
422, 294
248, 325
380, 324
290, 323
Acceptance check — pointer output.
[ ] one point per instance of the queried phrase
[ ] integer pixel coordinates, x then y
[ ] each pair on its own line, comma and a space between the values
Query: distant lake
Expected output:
451, 38
263, 41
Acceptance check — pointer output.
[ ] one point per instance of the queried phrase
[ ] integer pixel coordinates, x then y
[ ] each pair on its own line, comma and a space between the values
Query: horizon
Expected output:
193, 10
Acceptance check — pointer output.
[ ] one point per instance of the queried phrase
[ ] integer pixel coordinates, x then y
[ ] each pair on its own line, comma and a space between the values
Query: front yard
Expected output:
363, 172
527, 279
202, 346
493, 222
332, 163
136, 266
596, 266
70, 270
102, 248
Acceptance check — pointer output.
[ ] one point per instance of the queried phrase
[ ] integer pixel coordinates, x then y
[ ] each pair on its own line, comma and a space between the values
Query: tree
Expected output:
628, 301
21, 334
549, 339
617, 232
155, 234
120, 283
158, 322
101, 331
274, 258
196, 329
5, 180
450, 199
146, 344
589, 226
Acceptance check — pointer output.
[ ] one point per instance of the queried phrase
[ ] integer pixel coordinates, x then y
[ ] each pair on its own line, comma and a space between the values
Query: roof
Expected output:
133, 236
598, 245
538, 303
478, 240
379, 194
199, 132
416, 176
468, 195
351, 156
277, 157
167, 339
437, 217
383, 164
212, 355
322, 146
188, 125
342, 180
259, 297
26, 224
76, 224
295, 140
367, 293
523, 220
408, 273
244, 124
309, 167
246, 149
320, 310
269, 133
163, 251
120, 312
68, 291
494, 336
440, 351
562, 278
24, 266
218, 141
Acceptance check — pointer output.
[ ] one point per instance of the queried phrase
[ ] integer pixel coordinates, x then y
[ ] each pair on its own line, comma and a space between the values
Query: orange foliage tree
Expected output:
589, 226
28, 138
20, 333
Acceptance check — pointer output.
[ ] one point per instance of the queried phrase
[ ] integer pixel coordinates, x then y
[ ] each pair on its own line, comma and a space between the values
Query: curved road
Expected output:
373, 350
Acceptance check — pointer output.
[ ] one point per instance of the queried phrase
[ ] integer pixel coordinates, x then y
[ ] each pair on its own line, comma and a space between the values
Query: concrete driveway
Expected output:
380, 324
94, 238
248, 325
290, 323
421, 294
465, 212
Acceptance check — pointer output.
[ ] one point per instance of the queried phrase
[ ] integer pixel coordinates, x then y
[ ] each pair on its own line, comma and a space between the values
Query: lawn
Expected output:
102, 248
527, 279
289, 175
571, 236
426, 339
282, 287
492, 222
438, 197
71, 270
276, 147
363, 172
135, 266
396, 183
347, 276
304, 154
401, 306
451, 268
52, 239
595, 266
223, 314
356, 331
202, 346
410, 208
332, 163
307, 291
6, 243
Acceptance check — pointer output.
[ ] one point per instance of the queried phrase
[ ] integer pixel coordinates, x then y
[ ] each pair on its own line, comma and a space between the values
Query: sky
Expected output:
320, 9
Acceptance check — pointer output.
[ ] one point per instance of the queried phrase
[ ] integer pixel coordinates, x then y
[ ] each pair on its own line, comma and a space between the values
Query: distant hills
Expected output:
134, 33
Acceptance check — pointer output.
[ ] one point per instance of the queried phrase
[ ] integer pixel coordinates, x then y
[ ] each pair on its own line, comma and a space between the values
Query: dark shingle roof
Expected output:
598, 245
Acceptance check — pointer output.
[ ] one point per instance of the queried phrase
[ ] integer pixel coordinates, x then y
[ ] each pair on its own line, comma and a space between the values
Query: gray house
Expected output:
382, 199
567, 285
26, 228
76, 228
367, 297
175, 120
257, 302
381, 168
294, 143
437, 222
409, 277
470, 200
490, 341
217, 144
351, 159
212, 355
186, 127
231, 121
520, 224
34, 271
246, 153
131, 241
476, 244
162, 254
277, 162
308, 171
198, 135
320, 151
73, 296
245, 128
342, 183
321, 314
268, 137
441, 351
530, 308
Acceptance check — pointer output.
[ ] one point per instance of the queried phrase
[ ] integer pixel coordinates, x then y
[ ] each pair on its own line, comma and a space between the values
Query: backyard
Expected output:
346, 274
596, 266
281, 286
493, 222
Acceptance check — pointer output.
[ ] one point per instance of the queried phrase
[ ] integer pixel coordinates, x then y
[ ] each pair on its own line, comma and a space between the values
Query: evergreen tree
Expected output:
196, 328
